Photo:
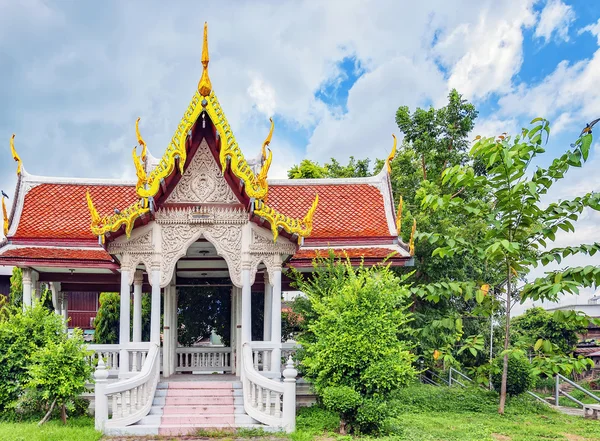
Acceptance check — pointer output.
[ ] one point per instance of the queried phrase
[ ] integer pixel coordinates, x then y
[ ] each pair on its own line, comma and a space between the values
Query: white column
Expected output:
174, 328
167, 340
267, 312
276, 321
138, 279
232, 328
246, 306
65, 307
124, 330
155, 312
26, 287
55, 289
237, 294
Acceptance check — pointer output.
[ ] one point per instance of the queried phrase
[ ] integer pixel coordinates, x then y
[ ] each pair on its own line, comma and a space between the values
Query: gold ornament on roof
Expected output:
388, 161
109, 224
5, 214
301, 227
267, 141
204, 86
411, 244
399, 216
141, 140
15, 156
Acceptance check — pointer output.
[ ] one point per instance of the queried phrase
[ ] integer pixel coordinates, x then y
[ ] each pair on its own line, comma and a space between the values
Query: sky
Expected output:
74, 76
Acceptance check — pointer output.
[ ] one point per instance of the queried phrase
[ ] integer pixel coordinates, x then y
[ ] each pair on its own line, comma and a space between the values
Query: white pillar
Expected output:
138, 279
26, 287
155, 312
237, 294
232, 329
267, 311
246, 306
100, 398
65, 308
289, 396
174, 327
124, 330
56, 304
167, 340
276, 321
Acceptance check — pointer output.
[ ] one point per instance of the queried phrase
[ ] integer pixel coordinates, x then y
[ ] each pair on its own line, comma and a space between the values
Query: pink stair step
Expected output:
201, 385
191, 429
199, 392
197, 419
197, 401
199, 409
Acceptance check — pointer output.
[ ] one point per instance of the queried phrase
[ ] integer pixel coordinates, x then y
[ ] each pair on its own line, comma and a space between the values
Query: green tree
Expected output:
538, 324
59, 371
16, 287
312, 170
106, 323
519, 227
356, 348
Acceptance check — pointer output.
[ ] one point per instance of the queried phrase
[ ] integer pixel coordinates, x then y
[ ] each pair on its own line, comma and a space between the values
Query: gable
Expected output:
202, 182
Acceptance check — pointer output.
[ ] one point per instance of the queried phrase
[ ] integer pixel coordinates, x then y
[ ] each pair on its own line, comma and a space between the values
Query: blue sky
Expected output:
74, 76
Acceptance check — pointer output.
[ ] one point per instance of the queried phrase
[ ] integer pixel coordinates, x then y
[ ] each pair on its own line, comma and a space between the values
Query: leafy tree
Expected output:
21, 335
355, 346
333, 169
538, 324
16, 287
106, 323
58, 372
519, 227
519, 375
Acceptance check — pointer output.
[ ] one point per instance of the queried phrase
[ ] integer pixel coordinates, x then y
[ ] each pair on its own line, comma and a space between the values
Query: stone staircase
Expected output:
185, 407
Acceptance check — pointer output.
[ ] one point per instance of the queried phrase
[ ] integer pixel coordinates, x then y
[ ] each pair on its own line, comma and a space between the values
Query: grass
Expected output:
77, 429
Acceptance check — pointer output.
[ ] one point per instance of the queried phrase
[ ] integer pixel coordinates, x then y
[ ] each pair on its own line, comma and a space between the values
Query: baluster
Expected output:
134, 399
260, 398
119, 405
253, 386
277, 405
135, 361
114, 405
268, 401
255, 359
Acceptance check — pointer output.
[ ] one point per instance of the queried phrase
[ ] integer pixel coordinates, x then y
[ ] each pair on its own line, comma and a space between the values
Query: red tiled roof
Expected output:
381, 253
56, 253
344, 210
60, 210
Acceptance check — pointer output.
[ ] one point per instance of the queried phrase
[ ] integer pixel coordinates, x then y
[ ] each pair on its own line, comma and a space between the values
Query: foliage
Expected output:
520, 376
344, 400
310, 170
20, 338
4, 308
16, 287
355, 339
518, 226
58, 371
106, 323
537, 324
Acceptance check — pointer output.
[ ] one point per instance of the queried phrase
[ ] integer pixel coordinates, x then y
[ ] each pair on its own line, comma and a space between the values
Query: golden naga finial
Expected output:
139, 171
5, 214
93, 212
267, 140
140, 140
411, 244
399, 216
15, 155
204, 86
388, 161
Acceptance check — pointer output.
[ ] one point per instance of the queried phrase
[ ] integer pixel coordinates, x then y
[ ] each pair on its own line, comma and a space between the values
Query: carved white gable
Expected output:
202, 182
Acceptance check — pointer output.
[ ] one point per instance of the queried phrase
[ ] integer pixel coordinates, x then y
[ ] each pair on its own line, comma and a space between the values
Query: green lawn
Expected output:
77, 429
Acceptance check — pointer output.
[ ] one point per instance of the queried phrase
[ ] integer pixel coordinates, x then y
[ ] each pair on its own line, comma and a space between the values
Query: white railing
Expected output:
269, 401
130, 399
261, 355
203, 359
137, 353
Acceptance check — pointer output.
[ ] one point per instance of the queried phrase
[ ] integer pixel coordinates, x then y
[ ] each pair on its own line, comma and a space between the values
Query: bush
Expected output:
520, 378
106, 323
341, 399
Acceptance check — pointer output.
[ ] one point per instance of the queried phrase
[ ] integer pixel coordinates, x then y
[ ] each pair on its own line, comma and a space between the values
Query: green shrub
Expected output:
106, 323
519, 379
317, 419
344, 400
370, 416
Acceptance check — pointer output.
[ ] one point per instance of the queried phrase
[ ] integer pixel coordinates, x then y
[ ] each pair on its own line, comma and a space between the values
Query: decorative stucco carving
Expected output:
263, 244
202, 182
202, 215
141, 244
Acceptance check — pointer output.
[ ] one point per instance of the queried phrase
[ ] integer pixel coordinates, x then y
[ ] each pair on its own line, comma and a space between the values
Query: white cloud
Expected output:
593, 28
556, 18
263, 95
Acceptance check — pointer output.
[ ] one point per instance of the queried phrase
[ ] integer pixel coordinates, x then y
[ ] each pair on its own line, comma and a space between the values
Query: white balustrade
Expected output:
130, 399
269, 401
110, 354
203, 359
261, 355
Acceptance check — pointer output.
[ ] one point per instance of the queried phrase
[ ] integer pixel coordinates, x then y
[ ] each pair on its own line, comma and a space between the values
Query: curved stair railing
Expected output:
126, 402
269, 401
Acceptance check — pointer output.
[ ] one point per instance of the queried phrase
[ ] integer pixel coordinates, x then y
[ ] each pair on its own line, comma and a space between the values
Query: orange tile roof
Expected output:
344, 210
57, 254
59, 211
380, 253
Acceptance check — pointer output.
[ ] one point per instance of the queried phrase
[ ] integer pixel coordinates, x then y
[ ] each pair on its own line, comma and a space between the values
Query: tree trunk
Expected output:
47, 416
506, 343
423, 167
63, 414
343, 424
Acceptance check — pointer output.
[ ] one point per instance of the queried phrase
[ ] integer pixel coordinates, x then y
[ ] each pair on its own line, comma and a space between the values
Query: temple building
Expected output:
201, 212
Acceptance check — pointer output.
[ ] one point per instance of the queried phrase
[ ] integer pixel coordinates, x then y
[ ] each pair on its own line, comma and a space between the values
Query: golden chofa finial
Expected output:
140, 140
399, 216
411, 243
388, 161
204, 86
267, 141
5, 214
15, 155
